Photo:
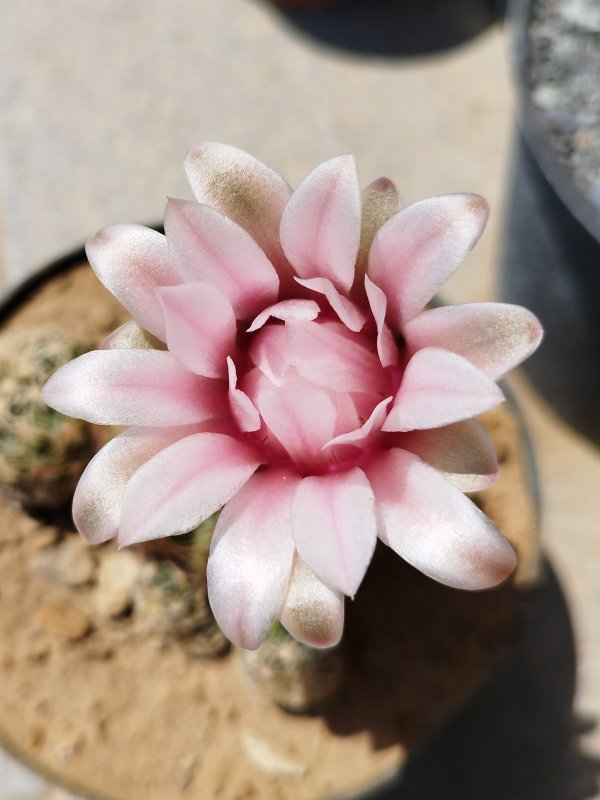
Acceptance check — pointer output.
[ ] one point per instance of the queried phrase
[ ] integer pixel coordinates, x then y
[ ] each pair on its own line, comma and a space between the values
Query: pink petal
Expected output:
302, 418
251, 557
200, 326
131, 261
435, 527
349, 313
363, 435
330, 356
462, 452
386, 346
183, 485
210, 247
379, 203
286, 310
493, 336
414, 253
131, 337
334, 527
320, 226
242, 408
243, 189
312, 612
133, 387
438, 388
99, 494
269, 351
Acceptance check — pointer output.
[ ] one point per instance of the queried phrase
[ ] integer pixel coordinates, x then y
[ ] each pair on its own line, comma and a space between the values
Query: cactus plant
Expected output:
42, 452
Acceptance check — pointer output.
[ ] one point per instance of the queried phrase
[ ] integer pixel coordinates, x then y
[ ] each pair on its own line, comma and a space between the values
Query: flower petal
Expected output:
462, 452
200, 326
251, 557
99, 494
493, 336
334, 529
301, 417
133, 387
243, 189
330, 356
386, 346
418, 249
379, 203
349, 313
434, 527
286, 310
438, 388
312, 612
183, 485
242, 408
131, 261
363, 435
269, 351
210, 247
320, 226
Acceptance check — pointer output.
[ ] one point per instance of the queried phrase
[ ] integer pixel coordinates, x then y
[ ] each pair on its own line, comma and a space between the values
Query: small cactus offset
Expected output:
170, 604
298, 678
42, 452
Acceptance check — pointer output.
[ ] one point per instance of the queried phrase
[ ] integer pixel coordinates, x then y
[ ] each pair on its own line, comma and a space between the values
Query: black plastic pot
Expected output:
551, 258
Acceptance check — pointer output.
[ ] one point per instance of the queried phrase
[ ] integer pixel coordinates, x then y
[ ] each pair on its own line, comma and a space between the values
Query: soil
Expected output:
562, 68
116, 712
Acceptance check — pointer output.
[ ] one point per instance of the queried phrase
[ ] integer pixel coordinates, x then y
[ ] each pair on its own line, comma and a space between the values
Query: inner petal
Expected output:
331, 356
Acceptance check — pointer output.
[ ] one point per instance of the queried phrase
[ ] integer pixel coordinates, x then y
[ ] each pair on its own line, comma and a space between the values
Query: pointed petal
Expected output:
494, 336
243, 189
349, 313
302, 418
320, 226
333, 520
183, 485
312, 612
251, 557
131, 261
462, 452
210, 247
270, 352
380, 202
133, 387
434, 527
200, 326
363, 435
99, 494
131, 337
386, 346
242, 408
418, 249
439, 388
286, 310
332, 357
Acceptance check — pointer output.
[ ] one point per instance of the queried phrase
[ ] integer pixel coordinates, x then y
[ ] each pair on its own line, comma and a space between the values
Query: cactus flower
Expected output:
283, 366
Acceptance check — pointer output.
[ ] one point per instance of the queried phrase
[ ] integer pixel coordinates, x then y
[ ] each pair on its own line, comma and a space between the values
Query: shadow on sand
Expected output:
518, 738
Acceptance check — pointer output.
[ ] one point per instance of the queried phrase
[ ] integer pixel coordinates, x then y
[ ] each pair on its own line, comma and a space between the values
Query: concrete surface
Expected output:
100, 101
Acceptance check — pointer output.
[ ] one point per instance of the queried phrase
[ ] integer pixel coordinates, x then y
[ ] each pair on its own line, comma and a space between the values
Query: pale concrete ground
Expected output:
100, 101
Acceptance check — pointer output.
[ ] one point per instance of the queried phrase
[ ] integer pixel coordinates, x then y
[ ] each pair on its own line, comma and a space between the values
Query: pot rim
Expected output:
519, 16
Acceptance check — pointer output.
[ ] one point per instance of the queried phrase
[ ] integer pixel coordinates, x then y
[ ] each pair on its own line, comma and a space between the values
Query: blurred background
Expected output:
98, 104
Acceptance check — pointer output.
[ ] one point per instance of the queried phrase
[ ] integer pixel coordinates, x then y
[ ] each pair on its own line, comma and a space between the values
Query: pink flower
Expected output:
303, 389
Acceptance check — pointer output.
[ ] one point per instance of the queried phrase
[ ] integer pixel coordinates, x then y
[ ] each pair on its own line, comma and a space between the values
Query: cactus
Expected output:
42, 452
298, 678
171, 604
